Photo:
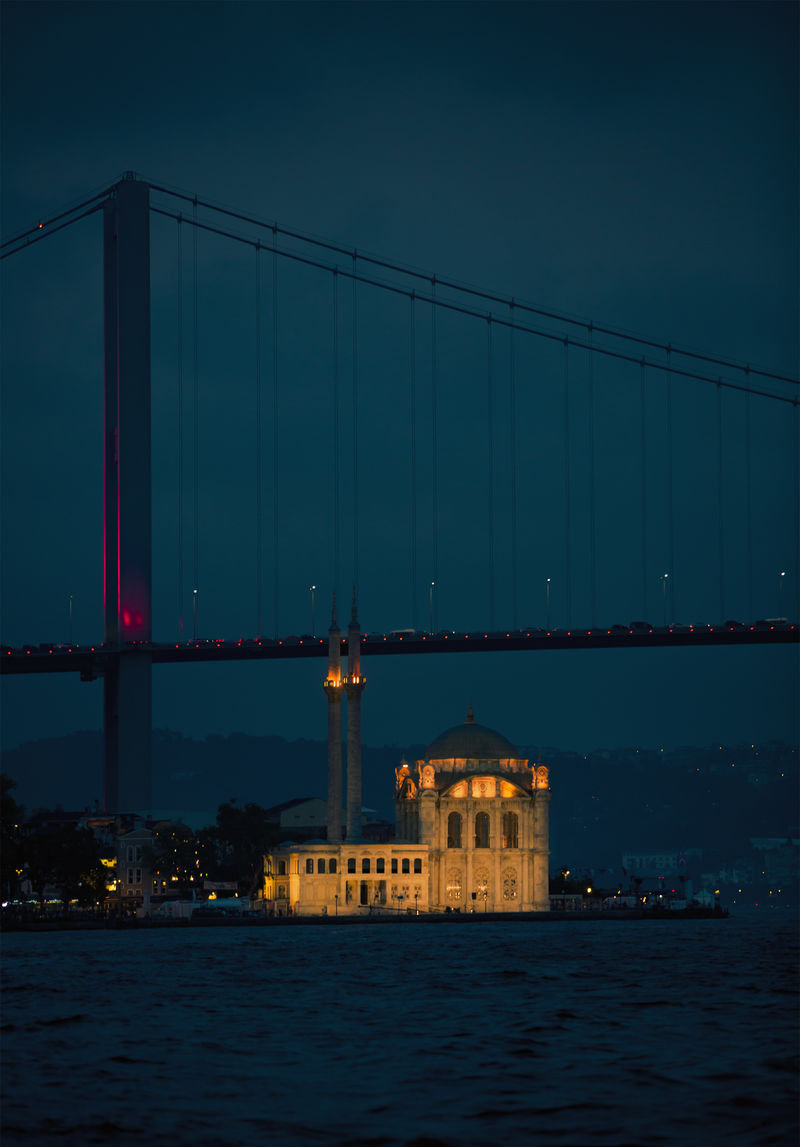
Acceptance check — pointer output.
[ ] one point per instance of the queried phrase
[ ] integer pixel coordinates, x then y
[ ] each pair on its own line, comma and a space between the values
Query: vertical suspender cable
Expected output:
670, 518
196, 439
796, 484
720, 511
259, 448
355, 421
748, 508
643, 412
180, 427
275, 466
412, 386
592, 530
336, 513
567, 491
512, 414
435, 454
490, 437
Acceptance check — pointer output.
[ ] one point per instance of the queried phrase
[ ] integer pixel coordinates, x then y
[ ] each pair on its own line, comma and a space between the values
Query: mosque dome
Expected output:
472, 741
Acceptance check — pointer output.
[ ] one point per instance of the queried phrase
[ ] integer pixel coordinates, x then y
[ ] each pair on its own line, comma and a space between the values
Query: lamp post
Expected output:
430, 607
70, 619
336, 903
312, 590
547, 602
664, 588
781, 576
194, 611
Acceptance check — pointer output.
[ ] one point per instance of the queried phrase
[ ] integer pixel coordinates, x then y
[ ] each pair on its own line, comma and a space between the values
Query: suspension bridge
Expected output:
496, 474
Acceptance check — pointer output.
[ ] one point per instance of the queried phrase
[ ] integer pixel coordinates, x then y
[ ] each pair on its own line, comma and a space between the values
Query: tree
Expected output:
244, 836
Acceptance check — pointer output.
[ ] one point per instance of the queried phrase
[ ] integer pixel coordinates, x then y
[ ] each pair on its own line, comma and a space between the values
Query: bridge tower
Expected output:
127, 524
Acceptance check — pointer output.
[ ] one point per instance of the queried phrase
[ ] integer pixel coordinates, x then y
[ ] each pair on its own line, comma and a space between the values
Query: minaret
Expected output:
333, 689
354, 684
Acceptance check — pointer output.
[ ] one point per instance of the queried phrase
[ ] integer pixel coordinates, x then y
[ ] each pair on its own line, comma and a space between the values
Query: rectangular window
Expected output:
365, 892
365, 864
394, 864
281, 868
418, 865
309, 865
351, 864
138, 876
380, 865
130, 876
406, 867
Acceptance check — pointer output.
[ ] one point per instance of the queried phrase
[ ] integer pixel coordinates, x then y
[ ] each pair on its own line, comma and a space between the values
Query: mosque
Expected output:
472, 822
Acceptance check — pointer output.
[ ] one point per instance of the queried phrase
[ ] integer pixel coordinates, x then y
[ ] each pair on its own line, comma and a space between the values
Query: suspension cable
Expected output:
477, 292
448, 304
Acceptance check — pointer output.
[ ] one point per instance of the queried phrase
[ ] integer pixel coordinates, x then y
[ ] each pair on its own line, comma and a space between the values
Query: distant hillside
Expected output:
604, 803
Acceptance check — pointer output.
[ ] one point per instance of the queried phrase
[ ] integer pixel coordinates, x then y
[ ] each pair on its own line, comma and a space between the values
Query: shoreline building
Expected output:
472, 823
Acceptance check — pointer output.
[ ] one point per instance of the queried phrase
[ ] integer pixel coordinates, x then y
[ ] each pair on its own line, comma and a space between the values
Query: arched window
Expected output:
380, 865
454, 830
320, 865
309, 865
482, 830
351, 864
365, 864
510, 830
332, 864
417, 864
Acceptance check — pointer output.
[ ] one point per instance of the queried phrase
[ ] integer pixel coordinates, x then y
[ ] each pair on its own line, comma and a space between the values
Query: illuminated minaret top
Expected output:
333, 690
354, 685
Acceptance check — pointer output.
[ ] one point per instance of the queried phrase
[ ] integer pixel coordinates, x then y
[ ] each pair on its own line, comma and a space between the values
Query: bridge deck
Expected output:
90, 661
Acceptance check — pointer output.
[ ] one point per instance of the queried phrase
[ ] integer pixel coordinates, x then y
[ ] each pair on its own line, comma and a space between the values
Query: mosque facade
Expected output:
472, 823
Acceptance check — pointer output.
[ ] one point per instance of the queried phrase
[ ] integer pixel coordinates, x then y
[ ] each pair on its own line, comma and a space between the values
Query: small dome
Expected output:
473, 741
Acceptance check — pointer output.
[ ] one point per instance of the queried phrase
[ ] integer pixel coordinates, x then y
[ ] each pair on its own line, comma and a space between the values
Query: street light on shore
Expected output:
664, 587
781, 576
430, 607
547, 602
70, 619
313, 589
194, 611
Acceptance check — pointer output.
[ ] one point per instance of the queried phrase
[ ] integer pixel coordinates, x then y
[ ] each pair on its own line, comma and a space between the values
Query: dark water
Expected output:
564, 1033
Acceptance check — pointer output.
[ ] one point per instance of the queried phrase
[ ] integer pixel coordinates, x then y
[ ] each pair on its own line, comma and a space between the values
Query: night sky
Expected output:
632, 164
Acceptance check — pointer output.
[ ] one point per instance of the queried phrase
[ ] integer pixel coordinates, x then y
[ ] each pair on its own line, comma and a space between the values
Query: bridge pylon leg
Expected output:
127, 516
